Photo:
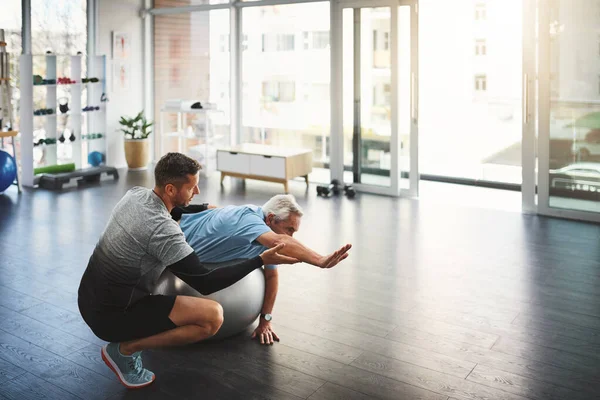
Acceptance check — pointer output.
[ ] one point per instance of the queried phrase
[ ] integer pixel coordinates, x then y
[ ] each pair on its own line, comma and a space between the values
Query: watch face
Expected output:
268, 317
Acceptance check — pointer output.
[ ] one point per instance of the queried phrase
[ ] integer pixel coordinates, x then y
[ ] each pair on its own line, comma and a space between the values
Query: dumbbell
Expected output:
325, 190
349, 190
332, 189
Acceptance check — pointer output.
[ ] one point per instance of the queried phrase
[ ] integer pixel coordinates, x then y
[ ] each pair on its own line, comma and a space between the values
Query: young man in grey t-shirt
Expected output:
140, 241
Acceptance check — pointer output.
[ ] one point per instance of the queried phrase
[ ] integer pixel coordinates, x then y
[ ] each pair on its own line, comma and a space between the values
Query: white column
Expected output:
26, 26
414, 128
26, 124
528, 154
336, 158
235, 38
148, 66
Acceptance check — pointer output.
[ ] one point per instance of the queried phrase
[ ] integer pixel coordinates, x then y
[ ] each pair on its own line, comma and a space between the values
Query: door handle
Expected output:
413, 106
525, 99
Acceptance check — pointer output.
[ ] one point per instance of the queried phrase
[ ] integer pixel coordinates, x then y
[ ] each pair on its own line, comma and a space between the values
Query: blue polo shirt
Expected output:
225, 234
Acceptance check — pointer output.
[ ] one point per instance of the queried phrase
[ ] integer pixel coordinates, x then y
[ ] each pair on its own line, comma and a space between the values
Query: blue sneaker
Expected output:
128, 369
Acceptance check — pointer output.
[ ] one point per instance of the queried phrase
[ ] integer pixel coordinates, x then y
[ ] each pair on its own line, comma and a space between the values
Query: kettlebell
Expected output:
63, 105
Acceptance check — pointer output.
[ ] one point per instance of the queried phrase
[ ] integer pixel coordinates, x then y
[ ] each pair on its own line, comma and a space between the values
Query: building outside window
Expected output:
320, 40
480, 11
480, 47
278, 42
480, 83
279, 92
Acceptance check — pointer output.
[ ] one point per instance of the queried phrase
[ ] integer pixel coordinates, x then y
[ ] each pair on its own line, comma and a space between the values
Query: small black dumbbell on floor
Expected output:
325, 190
349, 190
328, 190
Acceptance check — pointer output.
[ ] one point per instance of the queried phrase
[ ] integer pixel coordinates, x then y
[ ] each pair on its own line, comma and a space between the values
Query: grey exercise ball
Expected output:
241, 302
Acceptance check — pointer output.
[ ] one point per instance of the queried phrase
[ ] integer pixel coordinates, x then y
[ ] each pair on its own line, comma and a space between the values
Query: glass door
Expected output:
378, 87
569, 109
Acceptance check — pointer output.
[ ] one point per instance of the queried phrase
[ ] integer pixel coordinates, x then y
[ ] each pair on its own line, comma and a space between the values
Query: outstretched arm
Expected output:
264, 331
295, 249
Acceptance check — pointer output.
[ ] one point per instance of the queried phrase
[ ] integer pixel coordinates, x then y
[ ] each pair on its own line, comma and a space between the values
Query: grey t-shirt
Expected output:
139, 242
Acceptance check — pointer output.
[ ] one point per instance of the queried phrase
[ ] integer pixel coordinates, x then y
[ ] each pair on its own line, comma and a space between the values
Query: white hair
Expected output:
281, 206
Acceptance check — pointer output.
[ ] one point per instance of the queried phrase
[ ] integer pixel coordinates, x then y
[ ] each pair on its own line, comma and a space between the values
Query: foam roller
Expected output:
54, 169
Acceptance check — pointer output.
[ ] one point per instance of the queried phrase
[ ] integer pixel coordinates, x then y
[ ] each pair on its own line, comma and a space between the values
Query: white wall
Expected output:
121, 16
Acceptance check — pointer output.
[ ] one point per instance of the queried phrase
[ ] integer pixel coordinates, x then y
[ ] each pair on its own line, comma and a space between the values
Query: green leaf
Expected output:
133, 128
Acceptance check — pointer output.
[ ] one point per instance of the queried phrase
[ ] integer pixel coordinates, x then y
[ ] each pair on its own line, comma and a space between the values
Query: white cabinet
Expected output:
269, 166
267, 163
233, 162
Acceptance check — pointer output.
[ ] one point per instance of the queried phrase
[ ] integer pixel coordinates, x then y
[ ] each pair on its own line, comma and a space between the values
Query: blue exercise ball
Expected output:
95, 158
8, 170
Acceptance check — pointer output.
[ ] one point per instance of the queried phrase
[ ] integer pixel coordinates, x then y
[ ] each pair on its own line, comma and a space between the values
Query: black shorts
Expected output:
148, 317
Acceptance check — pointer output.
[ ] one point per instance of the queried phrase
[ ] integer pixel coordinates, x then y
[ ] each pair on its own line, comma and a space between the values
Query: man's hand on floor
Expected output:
265, 333
333, 259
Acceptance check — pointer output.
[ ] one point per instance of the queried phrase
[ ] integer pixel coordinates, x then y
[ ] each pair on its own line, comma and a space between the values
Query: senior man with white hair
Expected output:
243, 232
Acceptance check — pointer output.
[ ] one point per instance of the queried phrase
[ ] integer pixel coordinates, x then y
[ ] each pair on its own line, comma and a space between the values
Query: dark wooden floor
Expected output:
436, 302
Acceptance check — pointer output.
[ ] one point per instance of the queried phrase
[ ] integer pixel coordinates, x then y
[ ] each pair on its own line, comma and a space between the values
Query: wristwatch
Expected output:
267, 317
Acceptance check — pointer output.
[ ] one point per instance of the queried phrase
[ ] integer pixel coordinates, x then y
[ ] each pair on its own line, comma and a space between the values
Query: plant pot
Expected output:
137, 153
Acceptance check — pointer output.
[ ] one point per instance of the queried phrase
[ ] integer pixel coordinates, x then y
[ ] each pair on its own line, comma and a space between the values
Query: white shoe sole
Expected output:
111, 364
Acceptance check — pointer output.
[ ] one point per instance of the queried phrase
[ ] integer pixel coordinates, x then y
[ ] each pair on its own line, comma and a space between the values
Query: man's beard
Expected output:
182, 201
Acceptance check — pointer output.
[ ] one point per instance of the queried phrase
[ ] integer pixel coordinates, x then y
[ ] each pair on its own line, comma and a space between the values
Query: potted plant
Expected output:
137, 144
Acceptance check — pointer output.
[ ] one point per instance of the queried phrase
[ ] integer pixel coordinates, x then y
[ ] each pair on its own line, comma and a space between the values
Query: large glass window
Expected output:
574, 179
59, 26
286, 75
470, 110
56, 27
10, 21
191, 64
368, 127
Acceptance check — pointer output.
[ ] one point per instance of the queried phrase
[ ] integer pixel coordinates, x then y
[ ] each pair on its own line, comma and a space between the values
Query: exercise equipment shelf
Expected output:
72, 123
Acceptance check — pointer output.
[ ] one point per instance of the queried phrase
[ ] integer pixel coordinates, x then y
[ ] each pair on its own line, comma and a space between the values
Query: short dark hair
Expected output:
174, 168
